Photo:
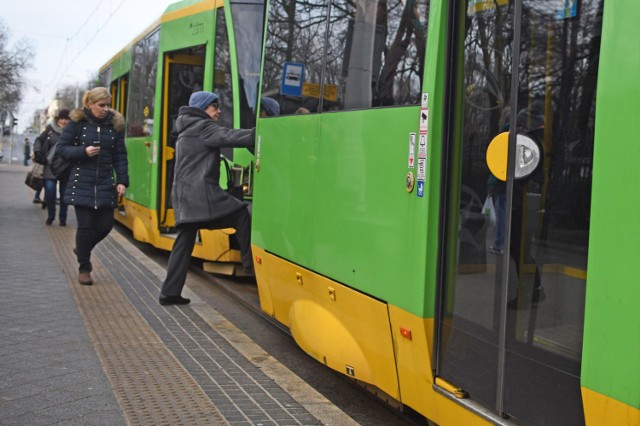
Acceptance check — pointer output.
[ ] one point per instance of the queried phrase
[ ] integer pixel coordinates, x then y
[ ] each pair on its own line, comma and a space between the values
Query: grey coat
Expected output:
197, 195
43, 145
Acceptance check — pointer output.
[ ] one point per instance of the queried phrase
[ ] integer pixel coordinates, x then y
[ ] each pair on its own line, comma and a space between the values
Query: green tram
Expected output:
195, 45
444, 207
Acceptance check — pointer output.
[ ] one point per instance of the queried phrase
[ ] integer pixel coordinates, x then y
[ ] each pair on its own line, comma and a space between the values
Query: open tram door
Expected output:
520, 110
183, 75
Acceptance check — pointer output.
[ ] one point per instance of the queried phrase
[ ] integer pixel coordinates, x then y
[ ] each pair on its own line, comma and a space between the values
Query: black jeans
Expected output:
180, 257
93, 226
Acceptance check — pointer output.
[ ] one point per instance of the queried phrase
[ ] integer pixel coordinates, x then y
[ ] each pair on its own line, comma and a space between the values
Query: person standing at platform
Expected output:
41, 147
198, 200
27, 151
93, 142
35, 159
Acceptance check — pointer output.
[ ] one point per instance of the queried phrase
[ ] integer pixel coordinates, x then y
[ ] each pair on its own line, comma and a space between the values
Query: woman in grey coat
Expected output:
43, 144
198, 200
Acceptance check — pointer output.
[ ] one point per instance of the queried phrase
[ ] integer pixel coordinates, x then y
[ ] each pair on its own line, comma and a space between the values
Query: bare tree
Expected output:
14, 60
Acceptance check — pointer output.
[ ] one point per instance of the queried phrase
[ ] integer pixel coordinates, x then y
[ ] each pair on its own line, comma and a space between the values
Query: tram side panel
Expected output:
361, 232
611, 353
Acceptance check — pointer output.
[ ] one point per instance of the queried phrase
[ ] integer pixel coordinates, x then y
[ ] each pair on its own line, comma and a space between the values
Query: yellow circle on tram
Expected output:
497, 155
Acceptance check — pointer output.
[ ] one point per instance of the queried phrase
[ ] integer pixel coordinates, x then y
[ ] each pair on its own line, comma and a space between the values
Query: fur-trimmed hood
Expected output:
114, 118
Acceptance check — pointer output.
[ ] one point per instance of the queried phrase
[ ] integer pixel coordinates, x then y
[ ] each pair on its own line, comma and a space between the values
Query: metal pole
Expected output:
11, 140
511, 157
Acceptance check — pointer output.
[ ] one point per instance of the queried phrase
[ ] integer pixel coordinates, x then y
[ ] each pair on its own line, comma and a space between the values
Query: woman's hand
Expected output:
92, 151
121, 189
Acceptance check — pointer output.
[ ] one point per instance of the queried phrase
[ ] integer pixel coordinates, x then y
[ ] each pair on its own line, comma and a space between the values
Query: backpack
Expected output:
58, 166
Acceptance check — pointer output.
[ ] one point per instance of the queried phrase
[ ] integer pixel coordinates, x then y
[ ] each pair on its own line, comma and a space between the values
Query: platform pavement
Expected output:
109, 354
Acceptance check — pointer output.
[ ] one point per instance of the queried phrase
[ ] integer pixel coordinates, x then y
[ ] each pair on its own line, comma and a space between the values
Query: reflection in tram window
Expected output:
541, 238
373, 56
144, 66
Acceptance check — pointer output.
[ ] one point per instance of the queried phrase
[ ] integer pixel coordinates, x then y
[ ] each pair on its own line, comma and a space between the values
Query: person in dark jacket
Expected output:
41, 147
27, 151
198, 200
93, 142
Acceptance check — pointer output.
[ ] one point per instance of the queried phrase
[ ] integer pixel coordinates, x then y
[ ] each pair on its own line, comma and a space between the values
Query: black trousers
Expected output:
93, 226
180, 257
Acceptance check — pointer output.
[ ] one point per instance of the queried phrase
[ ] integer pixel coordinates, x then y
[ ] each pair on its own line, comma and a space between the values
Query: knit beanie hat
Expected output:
271, 106
202, 100
62, 114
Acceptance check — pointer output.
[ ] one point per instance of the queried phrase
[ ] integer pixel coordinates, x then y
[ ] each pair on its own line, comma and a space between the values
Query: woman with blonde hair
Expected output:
93, 142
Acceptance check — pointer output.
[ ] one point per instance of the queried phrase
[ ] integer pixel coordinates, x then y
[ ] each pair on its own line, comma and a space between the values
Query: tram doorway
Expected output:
184, 74
522, 103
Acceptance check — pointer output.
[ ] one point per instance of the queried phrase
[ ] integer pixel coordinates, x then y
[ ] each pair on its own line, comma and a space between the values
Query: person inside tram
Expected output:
269, 107
496, 190
530, 121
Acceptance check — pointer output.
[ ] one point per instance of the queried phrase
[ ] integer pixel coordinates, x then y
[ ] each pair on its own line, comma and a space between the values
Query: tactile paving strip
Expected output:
238, 388
150, 384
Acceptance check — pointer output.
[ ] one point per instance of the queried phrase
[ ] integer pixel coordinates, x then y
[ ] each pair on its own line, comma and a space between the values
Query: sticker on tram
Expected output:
422, 146
422, 169
420, 190
424, 101
412, 150
424, 119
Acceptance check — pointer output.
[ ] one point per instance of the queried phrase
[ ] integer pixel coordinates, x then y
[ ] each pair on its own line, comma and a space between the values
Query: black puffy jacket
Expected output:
91, 180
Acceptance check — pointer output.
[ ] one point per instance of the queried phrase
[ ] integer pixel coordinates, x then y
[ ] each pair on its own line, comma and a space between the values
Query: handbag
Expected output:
34, 177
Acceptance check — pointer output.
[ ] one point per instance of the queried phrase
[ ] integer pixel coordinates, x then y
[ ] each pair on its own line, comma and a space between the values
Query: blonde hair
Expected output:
95, 95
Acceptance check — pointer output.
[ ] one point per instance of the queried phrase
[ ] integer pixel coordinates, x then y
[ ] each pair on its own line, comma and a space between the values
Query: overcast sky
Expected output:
72, 39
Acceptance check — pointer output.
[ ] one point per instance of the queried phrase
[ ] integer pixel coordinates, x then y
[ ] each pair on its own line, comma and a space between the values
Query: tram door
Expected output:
183, 75
522, 102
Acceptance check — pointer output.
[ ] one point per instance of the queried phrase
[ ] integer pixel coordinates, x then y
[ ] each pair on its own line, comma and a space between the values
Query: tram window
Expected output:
248, 21
143, 85
222, 83
105, 77
114, 94
294, 36
375, 55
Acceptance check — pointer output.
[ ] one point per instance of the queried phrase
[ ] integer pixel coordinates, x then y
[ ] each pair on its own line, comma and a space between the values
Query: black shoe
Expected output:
75, 251
512, 304
63, 223
37, 201
44, 205
173, 300
49, 221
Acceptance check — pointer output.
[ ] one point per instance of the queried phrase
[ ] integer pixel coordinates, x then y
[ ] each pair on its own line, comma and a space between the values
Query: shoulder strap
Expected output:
79, 132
